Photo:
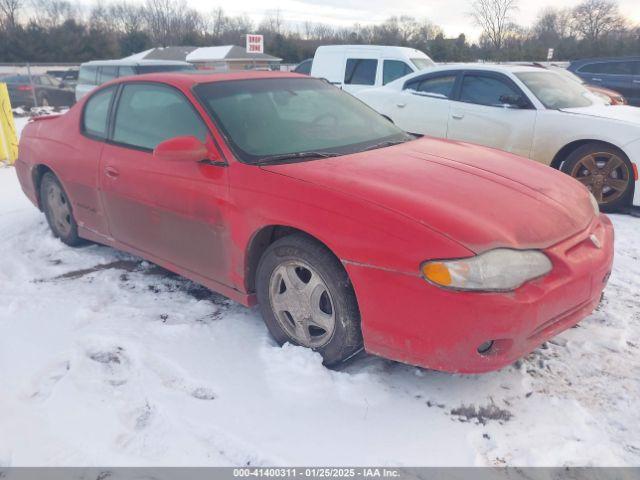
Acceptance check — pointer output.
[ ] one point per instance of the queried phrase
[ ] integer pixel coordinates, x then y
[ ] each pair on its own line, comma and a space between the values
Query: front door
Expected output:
171, 211
491, 110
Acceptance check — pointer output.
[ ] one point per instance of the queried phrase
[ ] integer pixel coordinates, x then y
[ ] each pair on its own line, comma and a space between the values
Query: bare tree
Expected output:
596, 18
272, 22
53, 13
495, 19
171, 21
553, 24
126, 17
9, 12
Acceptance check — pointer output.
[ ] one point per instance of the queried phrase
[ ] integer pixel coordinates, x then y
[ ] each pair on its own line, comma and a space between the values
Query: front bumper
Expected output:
404, 318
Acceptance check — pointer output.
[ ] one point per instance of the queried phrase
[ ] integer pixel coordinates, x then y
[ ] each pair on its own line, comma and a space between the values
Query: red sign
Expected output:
255, 43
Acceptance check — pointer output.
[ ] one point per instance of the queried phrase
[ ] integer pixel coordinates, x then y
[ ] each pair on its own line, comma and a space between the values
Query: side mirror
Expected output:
181, 149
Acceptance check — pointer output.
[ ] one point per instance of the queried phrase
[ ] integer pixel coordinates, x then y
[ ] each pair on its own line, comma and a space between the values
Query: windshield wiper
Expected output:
294, 156
388, 143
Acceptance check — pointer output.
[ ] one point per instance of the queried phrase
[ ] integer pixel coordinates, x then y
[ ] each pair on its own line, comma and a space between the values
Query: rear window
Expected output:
361, 71
87, 75
141, 69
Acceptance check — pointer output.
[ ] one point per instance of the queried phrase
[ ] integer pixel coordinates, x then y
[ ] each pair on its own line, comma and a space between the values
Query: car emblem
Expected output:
595, 241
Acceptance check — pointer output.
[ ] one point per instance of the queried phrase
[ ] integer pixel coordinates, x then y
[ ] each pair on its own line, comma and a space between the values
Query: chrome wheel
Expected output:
59, 209
302, 304
604, 173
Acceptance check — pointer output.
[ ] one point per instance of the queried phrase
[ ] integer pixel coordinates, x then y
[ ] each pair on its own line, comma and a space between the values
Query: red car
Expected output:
282, 190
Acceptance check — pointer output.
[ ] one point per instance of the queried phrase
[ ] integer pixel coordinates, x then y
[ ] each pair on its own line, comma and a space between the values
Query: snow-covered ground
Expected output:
108, 360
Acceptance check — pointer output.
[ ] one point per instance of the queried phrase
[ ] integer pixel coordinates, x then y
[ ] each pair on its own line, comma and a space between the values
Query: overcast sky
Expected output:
451, 15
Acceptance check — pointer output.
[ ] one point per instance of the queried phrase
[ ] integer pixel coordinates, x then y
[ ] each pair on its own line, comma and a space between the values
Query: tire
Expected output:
299, 285
57, 209
44, 101
606, 171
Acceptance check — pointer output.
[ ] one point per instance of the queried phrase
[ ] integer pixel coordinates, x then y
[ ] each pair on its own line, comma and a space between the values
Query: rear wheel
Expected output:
306, 299
58, 211
605, 171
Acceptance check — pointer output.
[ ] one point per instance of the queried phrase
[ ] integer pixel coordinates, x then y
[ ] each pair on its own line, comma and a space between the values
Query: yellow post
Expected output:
8, 139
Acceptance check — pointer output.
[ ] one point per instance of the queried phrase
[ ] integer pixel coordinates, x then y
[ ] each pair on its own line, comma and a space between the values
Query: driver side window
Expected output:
150, 114
487, 90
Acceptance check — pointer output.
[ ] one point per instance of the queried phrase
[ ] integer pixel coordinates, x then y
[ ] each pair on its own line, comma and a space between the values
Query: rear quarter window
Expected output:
95, 118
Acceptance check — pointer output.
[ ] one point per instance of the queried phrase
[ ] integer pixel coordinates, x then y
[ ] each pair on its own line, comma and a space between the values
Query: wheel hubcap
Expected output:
59, 210
605, 174
302, 303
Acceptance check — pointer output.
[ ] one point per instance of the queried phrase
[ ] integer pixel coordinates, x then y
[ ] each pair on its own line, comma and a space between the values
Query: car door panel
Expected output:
503, 128
420, 114
485, 121
171, 210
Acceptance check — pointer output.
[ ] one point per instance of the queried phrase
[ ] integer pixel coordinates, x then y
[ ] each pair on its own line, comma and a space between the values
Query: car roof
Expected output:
372, 48
197, 77
485, 67
131, 63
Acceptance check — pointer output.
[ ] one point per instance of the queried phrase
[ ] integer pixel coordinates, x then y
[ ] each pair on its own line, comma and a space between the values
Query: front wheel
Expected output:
306, 298
605, 171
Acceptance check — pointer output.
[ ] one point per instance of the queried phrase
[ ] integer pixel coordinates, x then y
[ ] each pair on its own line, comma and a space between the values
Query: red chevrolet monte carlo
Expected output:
283, 190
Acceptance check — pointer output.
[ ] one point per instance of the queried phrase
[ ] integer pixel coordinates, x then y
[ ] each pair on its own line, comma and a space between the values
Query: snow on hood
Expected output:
623, 113
481, 197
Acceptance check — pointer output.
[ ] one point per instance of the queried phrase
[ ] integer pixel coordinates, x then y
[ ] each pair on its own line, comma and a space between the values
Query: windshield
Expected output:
281, 117
567, 74
556, 91
422, 63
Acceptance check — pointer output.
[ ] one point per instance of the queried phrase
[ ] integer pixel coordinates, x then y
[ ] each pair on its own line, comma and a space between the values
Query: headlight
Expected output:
594, 204
501, 269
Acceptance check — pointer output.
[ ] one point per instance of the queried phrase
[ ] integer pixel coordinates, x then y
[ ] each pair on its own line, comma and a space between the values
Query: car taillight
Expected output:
24, 88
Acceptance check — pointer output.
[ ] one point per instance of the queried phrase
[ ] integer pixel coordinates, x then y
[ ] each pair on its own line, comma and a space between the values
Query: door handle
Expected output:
401, 105
111, 172
457, 116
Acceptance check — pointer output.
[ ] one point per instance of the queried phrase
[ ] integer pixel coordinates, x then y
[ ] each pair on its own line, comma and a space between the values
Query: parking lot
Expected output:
115, 361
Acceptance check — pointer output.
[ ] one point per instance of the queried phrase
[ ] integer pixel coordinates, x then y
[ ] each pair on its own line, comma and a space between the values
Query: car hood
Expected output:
479, 197
623, 113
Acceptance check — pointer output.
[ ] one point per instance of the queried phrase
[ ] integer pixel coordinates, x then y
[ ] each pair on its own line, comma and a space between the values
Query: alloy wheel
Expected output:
302, 304
604, 173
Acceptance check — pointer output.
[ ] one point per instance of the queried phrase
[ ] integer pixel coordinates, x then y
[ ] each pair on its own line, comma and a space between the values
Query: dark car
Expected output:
41, 91
68, 78
304, 67
621, 74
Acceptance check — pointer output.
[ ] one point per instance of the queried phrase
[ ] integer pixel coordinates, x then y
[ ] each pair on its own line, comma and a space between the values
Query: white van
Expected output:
98, 72
356, 67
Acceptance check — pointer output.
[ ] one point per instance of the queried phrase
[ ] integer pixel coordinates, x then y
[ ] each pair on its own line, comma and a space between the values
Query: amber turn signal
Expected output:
437, 272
